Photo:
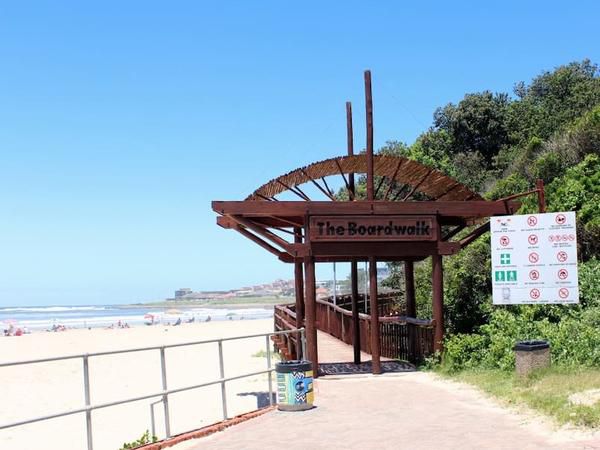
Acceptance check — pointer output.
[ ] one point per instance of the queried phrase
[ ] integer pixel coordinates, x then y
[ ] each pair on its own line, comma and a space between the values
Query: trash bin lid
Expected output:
529, 346
293, 365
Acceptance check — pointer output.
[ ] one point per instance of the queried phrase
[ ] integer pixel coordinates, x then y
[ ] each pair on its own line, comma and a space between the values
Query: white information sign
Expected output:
534, 259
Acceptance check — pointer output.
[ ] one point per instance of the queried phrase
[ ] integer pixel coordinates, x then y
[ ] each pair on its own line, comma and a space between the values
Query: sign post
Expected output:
534, 259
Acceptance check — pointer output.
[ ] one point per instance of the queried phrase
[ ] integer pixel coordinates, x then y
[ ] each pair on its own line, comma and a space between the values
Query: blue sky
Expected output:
121, 121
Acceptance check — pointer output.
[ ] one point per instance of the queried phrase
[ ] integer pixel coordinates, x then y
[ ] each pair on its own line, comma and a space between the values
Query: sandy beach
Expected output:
39, 389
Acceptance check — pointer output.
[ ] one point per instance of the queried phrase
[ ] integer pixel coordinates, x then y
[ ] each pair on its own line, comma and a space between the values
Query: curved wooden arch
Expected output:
422, 179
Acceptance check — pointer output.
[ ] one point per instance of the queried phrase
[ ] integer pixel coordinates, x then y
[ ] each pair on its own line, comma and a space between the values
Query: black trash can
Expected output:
531, 355
294, 385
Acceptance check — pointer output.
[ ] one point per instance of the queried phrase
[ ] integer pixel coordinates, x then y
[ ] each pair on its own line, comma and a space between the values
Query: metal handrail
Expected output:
88, 408
141, 349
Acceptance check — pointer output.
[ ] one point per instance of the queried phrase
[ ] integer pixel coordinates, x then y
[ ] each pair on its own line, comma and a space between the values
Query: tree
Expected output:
477, 124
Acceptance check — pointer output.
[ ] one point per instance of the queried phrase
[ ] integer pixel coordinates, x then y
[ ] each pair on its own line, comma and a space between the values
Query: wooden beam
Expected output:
318, 186
474, 234
260, 242
261, 231
296, 190
416, 186
350, 191
392, 180
375, 332
350, 145
539, 184
311, 314
355, 318
369, 114
327, 186
471, 209
437, 276
299, 287
409, 289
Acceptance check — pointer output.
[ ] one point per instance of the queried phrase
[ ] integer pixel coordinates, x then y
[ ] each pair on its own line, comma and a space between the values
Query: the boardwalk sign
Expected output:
373, 228
534, 259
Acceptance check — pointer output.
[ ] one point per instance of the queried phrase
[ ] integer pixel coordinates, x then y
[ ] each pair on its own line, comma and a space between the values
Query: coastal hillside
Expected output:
498, 144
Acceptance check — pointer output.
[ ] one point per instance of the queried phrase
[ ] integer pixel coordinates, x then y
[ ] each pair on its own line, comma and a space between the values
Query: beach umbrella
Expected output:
149, 316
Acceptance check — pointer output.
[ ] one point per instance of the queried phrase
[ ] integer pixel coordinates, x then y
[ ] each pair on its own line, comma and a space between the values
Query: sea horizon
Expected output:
37, 318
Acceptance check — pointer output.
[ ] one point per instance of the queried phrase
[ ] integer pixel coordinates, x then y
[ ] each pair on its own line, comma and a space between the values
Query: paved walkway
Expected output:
395, 411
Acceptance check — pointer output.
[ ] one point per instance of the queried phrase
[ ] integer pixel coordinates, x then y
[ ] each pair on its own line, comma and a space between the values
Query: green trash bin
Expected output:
294, 385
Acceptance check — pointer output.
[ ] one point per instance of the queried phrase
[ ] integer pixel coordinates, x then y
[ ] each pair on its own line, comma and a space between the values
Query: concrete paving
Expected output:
396, 411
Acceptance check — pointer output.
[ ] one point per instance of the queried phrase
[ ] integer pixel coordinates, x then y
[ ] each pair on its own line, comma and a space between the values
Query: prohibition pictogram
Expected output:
533, 239
561, 219
563, 292
571, 237
534, 275
532, 221
565, 237
534, 257
562, 256
534, 294
504, 241
563, 274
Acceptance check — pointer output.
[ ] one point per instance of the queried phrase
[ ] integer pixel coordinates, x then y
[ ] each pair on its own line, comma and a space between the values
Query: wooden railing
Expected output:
406, 338
388, 303
288, 345
401, 337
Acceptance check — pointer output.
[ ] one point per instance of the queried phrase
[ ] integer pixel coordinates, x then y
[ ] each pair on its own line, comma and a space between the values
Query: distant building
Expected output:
322, 292
179, 293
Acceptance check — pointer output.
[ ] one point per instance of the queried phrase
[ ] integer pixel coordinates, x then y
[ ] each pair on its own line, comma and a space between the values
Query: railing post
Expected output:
152, 420
270, 374
303, 344
223, 389
165, 397
88, 413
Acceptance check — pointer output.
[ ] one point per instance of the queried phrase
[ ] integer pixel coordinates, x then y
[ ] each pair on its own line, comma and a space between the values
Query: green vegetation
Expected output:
546, 391
499, 144
263, 354
144, 439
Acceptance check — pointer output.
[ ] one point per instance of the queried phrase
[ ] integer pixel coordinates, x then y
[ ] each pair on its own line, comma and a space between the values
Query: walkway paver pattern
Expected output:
396, 411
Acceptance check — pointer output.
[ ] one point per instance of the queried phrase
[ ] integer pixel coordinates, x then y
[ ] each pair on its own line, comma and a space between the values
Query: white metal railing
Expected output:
164, 393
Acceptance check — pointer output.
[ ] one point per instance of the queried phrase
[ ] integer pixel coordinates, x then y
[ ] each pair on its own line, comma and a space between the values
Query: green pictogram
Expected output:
504, 258
511, 275
499, 275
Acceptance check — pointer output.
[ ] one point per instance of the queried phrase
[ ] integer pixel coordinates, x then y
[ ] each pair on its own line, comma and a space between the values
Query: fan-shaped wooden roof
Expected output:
395, 169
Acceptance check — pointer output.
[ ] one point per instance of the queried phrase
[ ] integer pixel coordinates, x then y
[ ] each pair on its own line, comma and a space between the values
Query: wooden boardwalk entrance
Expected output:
332, 350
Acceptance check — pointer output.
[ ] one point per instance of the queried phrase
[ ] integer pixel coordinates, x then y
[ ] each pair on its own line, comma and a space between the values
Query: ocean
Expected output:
37, 318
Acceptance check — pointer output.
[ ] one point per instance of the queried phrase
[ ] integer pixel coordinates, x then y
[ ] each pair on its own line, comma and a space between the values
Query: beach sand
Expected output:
39, 389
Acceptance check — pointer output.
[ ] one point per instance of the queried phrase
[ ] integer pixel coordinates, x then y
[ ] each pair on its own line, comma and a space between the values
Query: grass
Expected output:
546, 391
263, 354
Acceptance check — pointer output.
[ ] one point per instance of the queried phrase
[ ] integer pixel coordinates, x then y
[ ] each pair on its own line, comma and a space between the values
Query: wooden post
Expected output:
355, 318
375, 351
353, 263
311, 314
369, 111
409, 289
437, 276
539, 184
350, 144
299, 283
